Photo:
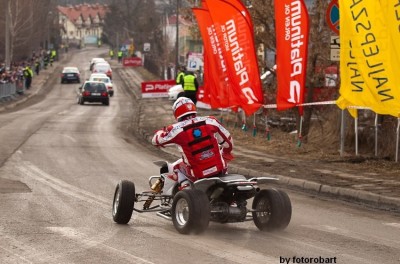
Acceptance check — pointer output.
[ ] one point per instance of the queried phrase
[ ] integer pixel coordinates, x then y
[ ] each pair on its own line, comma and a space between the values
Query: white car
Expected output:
102, 77
102, 67
94, 61
175, 92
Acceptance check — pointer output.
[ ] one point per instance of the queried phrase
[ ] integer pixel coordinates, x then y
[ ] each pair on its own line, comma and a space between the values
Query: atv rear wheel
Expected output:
273, 210
286, 212
123, 203
190, 211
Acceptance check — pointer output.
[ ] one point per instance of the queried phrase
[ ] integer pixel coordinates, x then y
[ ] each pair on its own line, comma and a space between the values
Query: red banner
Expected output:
291, 52
156, 88
217, 88
132, 62
235, 36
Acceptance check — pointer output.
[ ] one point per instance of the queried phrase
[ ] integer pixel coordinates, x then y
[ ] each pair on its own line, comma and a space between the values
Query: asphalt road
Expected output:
62, 161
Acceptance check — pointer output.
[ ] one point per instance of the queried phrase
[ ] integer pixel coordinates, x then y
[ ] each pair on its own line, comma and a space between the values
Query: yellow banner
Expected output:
369, 65
391, 9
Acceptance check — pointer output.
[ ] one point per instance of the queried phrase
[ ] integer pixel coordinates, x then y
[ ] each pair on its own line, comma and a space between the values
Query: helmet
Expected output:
183, 106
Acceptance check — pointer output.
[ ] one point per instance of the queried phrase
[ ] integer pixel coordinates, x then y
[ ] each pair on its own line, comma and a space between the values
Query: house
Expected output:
81, 24
187, 45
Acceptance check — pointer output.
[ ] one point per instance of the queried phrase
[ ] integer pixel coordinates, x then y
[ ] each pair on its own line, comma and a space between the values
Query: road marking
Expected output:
205, 243
354, 235
71, 138
14, 248
34, 172
87, 242
397, 225
235, 253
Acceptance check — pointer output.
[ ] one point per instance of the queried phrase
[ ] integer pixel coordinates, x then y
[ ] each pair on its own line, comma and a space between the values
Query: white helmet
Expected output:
182, 107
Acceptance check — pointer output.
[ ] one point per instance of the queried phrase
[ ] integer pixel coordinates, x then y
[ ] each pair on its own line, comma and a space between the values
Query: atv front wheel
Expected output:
190, 211
124, 200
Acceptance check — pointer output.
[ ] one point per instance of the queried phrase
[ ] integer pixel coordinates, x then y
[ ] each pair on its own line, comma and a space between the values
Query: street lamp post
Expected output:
49, 28
177, 37
7, 35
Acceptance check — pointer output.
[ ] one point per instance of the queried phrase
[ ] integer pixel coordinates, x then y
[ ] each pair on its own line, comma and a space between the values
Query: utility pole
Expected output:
7, 35
177, 38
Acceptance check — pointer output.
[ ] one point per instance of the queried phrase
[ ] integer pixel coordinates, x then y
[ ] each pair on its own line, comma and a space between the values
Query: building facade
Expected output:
81, 24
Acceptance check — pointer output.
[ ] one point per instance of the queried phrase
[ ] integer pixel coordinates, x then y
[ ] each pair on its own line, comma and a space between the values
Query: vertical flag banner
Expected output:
392, 10
235, 35
216, 80
369, 58
292, 28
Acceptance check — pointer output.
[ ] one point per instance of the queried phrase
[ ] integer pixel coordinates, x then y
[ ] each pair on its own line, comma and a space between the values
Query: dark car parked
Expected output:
70, 74
93, 92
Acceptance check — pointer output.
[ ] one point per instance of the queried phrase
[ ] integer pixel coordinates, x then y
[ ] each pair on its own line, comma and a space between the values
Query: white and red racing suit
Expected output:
205, 145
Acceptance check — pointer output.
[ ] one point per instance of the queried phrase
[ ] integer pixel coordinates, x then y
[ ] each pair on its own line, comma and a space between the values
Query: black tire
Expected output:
106, 102
272, 211
190, 211
81, 101
287, 210
124, 201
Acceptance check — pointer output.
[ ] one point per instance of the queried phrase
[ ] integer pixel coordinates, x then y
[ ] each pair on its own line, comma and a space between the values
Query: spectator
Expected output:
181, 74
37, 66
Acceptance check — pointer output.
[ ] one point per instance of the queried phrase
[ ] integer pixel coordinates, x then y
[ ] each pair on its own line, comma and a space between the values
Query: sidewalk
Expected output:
378, 190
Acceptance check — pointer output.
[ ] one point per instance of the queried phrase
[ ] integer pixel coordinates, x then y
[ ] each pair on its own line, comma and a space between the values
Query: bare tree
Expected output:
137, 20
28, 18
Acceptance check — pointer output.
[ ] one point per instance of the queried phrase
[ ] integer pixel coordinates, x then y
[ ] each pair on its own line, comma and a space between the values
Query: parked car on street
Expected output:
70, 74
102, 67
93, 92
101, 77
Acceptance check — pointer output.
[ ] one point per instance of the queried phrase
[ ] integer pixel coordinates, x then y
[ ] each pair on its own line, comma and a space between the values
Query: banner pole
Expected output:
397, 140
254, 125
356, 132
267, 132
342, 134
244, 126
300, 132
376, 135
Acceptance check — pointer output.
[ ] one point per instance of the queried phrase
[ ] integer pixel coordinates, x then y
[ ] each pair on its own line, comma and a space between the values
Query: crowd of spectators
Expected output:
15, 73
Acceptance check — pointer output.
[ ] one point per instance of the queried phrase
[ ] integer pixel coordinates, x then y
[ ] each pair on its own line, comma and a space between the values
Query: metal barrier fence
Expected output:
7, 90
11, 89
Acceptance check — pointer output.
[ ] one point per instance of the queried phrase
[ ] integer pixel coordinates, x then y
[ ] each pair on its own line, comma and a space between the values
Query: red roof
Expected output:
84, 10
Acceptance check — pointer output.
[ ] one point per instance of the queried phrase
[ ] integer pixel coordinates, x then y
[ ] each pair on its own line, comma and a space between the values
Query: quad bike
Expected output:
221, 199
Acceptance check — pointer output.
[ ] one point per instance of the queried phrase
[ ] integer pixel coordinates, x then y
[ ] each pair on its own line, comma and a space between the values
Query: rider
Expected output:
204, 143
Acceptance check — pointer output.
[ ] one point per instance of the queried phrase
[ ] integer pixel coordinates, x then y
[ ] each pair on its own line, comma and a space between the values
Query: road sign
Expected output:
332, 16
335, 48
146, 47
